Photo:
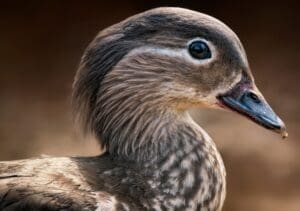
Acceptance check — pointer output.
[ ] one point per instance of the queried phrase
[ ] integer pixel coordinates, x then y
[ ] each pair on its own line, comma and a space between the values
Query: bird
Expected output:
132, 91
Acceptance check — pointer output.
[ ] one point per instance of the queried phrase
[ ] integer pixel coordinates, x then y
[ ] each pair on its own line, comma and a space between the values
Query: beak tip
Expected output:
283, 131
284, 134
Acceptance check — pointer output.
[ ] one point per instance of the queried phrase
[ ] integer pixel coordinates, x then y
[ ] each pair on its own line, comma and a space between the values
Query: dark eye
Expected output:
199, 50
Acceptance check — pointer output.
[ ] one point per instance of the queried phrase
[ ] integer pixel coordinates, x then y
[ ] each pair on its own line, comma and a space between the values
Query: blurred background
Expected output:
41, 43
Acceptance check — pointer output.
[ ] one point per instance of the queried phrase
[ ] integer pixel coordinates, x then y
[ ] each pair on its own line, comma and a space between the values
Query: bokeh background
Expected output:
41, 43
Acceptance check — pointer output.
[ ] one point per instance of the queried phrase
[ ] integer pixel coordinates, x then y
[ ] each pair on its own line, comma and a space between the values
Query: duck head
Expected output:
175, 59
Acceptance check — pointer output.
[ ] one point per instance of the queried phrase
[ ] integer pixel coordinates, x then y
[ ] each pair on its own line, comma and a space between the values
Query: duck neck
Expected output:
135, 121
154, 136
144, 132
168, 148
141, 131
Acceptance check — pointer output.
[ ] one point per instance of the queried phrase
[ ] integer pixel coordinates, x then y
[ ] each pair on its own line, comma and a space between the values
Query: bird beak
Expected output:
248, 101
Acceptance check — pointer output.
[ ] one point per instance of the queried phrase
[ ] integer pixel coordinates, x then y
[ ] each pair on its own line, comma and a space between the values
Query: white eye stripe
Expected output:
179, 53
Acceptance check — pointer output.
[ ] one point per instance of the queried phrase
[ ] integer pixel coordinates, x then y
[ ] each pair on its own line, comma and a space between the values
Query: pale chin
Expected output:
211, 102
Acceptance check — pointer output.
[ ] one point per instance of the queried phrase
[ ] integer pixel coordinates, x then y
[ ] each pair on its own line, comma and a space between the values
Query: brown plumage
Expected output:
135, 82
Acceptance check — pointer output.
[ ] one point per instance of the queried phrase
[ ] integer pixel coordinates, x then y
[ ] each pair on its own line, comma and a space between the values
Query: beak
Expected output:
246, 100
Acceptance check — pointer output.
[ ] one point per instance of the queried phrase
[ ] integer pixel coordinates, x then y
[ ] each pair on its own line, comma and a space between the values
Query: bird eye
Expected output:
199, 50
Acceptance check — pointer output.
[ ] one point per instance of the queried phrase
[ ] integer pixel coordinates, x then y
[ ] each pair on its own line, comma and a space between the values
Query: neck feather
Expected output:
134, 122
136, 126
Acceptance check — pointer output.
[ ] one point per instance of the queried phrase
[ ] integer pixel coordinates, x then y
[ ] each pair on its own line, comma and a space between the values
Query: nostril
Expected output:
254, 97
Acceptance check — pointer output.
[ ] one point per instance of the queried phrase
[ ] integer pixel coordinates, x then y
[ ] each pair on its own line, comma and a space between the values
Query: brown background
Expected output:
40, 46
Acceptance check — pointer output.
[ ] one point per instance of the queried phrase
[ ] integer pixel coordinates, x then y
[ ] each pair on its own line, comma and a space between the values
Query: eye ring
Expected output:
199, 50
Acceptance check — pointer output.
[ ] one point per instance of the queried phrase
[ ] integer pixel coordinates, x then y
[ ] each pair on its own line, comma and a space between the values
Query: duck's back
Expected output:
58, 184
43, 184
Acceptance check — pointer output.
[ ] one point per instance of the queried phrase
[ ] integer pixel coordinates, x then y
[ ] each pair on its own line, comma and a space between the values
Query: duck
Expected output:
134, 86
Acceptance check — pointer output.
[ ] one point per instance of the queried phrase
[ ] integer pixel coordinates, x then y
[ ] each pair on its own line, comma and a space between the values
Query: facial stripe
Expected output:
179, 53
